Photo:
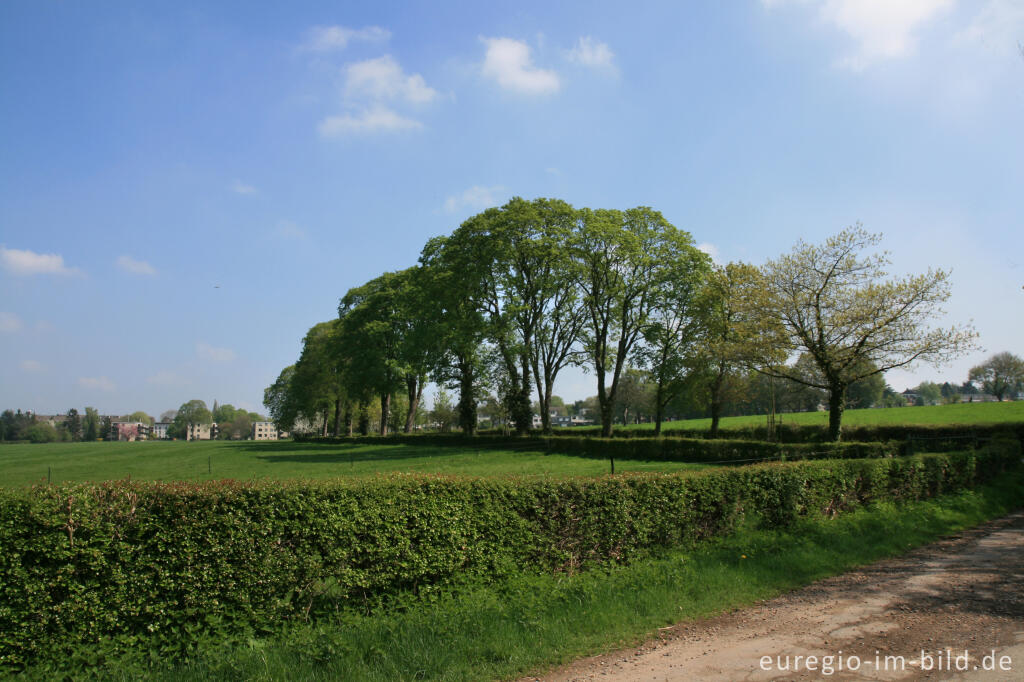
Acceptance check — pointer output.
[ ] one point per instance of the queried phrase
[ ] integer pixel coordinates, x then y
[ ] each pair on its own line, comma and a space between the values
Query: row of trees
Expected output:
73, 427
520, 292
233, 423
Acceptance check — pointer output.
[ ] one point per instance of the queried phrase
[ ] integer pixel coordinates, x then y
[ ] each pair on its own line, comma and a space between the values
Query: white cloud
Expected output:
31, 366
371, 88
240, 187
383, 79
96, 383
591, 52
214, 354
376, 120
711, 250
881, 29
289, 230
331, 38
18, 262
999, 26
10, 323
508, 62
167, 378
136, 267
474, 197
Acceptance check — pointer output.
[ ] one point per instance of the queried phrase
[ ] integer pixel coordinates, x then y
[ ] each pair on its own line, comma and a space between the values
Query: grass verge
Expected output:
533, 622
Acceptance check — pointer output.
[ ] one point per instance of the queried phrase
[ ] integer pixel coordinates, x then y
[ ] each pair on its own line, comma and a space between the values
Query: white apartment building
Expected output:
266, 431
198, 432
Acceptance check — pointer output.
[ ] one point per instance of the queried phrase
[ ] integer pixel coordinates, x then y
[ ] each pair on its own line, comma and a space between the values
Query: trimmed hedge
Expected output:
693, 450
929, 437
102, 571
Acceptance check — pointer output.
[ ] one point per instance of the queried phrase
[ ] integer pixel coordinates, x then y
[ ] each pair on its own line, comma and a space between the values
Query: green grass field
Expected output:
25, 464
959, 413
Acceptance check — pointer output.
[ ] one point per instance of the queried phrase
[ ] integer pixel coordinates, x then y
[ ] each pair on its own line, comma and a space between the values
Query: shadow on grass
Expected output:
350, 455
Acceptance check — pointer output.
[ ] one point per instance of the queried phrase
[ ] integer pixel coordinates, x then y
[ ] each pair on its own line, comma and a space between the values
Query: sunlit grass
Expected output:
26, 464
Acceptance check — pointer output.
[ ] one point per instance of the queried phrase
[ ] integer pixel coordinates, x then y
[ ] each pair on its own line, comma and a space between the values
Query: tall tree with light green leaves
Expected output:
670, 348
841, 307
623, 260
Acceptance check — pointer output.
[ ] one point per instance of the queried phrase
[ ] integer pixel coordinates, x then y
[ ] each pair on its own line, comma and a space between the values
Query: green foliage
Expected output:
1001, 374
839, 307
40, 432
130, 566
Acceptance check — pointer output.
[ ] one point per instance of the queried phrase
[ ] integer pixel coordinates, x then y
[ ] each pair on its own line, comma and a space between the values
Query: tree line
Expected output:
233, 423
518, 293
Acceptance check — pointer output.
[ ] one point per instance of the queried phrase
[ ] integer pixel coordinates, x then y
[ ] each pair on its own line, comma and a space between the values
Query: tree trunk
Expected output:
659, 407
385, 412
337, 417
522, 412
836, 403
467, 397
364, 420
716, 413
323, 429
415, 389
348, 419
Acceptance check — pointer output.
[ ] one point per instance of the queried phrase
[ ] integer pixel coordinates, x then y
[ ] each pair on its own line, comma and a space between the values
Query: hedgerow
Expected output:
95, 572
930, 437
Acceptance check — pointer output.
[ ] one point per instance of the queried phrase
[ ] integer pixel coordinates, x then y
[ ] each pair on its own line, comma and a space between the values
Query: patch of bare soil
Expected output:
959, 602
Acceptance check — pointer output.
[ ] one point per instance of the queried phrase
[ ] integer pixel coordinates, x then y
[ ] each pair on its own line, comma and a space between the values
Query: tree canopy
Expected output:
841, 308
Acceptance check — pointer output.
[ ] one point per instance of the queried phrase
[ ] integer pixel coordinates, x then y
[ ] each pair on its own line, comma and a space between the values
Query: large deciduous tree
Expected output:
388, 340
513, 266
676, 323
729, 336
839, 306
624, 258
1001, 374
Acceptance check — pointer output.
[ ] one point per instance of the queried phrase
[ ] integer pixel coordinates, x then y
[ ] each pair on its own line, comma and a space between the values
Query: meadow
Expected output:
928, 415
27, 464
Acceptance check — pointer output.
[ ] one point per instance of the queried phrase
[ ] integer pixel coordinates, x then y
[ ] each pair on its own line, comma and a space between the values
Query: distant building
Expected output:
160, 430
198, 431
267, 431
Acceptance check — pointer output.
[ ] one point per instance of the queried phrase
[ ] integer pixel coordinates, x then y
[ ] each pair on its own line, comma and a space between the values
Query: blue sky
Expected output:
186, 188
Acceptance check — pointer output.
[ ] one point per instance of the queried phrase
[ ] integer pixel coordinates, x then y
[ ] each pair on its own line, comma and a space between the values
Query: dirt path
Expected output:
961, 593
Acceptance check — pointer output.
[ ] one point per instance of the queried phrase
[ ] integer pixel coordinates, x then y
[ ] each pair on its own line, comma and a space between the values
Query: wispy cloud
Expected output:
25, 262
999, 26
10, 323
96, 383
591, 52
334, 38
508, 62
372, 90
240, 187
214, 354
31, 366
377, 120
167, 378
135, 267
474, 197
880, 29
383, 79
